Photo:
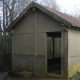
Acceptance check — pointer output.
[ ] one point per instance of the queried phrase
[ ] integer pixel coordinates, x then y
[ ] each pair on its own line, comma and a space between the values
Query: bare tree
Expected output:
0, 28
22, 4
50, 3
11, 9
76, 11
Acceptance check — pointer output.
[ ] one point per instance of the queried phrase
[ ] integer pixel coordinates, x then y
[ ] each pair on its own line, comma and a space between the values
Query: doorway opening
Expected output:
54, 53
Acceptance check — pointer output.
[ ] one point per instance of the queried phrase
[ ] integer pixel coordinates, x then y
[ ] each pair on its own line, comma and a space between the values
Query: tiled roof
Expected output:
73, 20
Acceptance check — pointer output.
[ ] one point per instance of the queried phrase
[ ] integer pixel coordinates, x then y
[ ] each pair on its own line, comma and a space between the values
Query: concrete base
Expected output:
20, 74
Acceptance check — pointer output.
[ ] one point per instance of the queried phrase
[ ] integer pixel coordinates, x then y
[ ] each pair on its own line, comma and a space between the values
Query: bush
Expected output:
5, 52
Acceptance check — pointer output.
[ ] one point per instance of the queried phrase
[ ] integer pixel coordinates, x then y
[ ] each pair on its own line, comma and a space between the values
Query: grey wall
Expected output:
41, 54
22, 44
26, 25
47, 23
30, 42
73, 51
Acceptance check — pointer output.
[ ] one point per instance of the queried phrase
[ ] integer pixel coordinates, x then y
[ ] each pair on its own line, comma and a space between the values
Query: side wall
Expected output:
22, 44
73, 51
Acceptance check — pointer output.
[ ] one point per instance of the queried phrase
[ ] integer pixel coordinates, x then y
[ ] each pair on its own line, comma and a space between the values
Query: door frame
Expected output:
49, 74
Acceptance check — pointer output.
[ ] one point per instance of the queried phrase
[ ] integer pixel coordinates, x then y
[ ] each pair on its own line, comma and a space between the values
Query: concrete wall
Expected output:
41, 54
26, 25
22, 44
47, 23
73, 51
30, 43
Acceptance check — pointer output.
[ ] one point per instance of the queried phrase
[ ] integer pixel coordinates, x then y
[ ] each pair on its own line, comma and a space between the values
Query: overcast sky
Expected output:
0, 8
66, 5
69, 5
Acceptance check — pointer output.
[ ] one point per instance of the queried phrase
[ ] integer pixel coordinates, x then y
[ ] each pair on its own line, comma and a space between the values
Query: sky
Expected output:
0, 9
69, 5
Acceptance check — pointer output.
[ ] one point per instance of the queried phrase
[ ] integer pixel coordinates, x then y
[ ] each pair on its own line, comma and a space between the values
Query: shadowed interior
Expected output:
54, 53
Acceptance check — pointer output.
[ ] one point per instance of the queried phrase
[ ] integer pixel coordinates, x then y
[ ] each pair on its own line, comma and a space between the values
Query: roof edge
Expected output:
43, 9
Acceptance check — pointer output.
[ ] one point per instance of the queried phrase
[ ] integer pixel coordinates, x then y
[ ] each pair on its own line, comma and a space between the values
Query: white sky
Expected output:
0, 12
69, 5
66, 5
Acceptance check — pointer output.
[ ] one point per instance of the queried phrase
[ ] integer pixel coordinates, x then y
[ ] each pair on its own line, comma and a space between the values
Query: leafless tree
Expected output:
12, 9
76, 11
51, 4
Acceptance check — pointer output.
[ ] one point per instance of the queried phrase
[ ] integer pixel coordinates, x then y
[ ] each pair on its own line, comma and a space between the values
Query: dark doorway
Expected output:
54, 53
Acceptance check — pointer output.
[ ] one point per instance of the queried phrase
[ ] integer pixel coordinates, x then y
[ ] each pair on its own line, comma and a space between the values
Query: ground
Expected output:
32, 78
8, 77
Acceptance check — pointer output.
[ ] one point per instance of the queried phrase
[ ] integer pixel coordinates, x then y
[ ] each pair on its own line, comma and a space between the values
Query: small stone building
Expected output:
45, 42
